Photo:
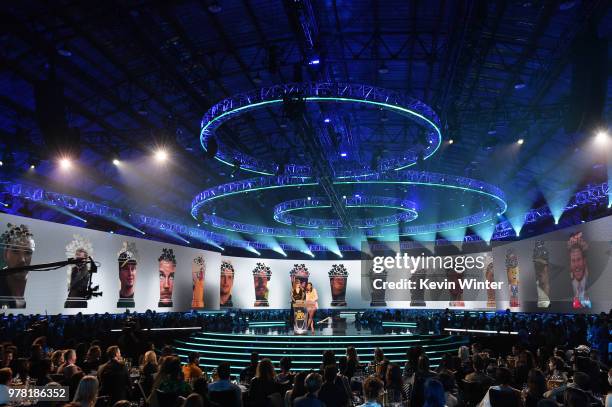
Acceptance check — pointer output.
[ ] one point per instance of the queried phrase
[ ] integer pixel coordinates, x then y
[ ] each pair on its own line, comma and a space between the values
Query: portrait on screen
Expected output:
579, 270
226, 284
128, 266
512, 272
455, 291
17, 244
78, 275
338, 275
261, 277
377, 295
167, 268
198, 270
542, 273
489, 275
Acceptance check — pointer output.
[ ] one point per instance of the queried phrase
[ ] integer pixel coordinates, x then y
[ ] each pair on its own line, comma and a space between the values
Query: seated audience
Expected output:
434, 395
5, 379
92, 359
298, 390
249, 372
223, 389
333, 392
169, 382
504, 379
113, 376
372, 388
191, 370
70, 367
86, 392
263, 384
312, 383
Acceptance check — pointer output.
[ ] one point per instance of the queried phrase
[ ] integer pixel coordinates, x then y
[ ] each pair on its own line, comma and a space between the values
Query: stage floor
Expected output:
274, 340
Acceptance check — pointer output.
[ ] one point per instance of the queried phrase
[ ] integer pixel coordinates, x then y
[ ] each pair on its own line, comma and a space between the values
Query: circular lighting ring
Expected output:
392, 101
282, 212
424, 178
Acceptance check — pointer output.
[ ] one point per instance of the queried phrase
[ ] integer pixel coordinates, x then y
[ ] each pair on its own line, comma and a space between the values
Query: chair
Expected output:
504, 398
222, 398
473, 392
166, 399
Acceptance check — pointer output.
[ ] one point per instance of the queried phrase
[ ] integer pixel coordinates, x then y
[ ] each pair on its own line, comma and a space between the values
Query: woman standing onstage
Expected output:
311, 304
297, 294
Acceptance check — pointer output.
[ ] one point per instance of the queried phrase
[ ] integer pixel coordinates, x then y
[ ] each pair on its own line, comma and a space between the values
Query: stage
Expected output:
274, 339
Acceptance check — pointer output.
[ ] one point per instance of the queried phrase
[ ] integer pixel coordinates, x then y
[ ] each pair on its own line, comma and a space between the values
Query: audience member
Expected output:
113, 376
312, 383
222, 387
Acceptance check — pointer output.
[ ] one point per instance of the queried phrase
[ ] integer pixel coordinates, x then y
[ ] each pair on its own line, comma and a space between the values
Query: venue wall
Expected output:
197, 278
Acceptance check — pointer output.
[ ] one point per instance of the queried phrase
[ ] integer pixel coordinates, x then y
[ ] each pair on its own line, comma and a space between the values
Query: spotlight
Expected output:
65, 163
32, 167
1, 163
314, 61
520, 141
451, 141
161, 155
520, 85
116, 162
343, 196
327, 120
309, 198
343, 154
601, 137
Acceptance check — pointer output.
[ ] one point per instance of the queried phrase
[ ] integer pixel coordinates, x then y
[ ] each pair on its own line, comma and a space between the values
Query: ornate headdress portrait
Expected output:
167, 255
299, 270
128, 254
261, 268
540, 252
79, 244
226, 267
18, 237
199, 260
338, 270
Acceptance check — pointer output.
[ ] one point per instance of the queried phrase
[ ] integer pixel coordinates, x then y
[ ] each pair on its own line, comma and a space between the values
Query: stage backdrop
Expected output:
548, 273
152, 275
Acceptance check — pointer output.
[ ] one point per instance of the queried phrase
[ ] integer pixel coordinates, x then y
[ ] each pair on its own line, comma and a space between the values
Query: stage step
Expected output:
306, 350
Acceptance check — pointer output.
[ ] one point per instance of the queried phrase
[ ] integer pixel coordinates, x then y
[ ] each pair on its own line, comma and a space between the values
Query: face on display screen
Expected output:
577, 264
17, 257
338, 286
166, 280
127, 278
261, 285
225, 286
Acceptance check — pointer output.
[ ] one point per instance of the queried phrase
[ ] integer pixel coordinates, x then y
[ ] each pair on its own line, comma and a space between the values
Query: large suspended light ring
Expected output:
492, 193
389, 100
283, 212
